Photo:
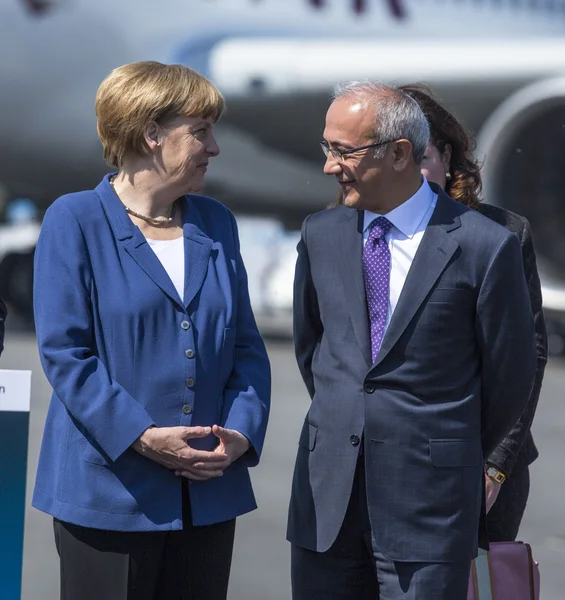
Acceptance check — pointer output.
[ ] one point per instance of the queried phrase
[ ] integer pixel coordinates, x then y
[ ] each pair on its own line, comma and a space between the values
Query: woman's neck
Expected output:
144, 192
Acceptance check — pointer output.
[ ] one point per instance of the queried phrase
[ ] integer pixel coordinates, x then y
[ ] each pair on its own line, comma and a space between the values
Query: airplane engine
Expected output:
522, 145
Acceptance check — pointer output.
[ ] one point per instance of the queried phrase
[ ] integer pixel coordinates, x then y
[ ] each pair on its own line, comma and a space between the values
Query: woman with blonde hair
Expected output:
161, 382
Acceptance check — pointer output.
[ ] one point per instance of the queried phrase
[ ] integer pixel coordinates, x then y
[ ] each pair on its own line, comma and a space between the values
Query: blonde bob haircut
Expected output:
134, 95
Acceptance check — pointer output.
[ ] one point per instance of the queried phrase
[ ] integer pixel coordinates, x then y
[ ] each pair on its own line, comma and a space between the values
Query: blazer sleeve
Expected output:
307, 324
505, 455
505, 333
64, 326
3, 313
247, 395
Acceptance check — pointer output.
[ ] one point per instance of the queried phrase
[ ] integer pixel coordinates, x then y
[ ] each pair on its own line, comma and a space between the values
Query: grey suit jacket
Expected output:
453, 375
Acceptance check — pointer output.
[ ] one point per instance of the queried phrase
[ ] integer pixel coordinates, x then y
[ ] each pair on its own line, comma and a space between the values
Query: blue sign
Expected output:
14, 429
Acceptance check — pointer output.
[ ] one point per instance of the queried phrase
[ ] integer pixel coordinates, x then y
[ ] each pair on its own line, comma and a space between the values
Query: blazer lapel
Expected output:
350, 258
434, 253
197, 250
197, 245
141, 252
133, 241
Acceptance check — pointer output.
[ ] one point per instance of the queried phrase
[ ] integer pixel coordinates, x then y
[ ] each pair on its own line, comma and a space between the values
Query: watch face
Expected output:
496, 475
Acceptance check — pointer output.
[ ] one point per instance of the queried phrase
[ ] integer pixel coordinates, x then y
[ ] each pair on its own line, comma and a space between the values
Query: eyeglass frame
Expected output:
342, 154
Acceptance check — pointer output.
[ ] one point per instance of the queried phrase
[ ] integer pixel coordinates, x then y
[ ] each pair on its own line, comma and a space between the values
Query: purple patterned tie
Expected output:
376, 269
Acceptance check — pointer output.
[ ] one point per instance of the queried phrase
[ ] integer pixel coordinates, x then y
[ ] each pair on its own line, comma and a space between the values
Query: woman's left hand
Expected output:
492, 491
232, 443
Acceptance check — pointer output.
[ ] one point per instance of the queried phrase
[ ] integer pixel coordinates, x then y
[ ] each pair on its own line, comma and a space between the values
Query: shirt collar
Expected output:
408, 216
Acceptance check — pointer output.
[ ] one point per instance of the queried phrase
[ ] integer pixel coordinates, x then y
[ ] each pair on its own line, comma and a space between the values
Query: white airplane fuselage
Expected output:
276, 63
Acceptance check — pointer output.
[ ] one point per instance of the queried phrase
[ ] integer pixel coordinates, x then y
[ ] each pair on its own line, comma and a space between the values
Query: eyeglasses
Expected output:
341, 155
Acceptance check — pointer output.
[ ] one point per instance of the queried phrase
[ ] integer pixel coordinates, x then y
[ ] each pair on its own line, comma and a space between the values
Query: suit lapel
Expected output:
433, 255
349, 257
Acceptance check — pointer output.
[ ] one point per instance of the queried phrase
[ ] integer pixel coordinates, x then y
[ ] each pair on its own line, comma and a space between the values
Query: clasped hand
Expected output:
169, 447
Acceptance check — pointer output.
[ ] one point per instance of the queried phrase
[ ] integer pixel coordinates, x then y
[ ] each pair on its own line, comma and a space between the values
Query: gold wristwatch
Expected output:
495, 474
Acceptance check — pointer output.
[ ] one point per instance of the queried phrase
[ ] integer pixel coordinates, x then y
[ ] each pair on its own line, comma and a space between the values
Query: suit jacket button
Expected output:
369, 388
187, 409
354, 439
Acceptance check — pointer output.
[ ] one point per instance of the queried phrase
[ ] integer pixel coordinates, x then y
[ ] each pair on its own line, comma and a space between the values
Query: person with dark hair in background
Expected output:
416, 362
449, 162
3, 313
161, 381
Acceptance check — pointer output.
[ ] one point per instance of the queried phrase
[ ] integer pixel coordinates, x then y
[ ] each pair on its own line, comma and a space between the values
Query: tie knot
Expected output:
379, 227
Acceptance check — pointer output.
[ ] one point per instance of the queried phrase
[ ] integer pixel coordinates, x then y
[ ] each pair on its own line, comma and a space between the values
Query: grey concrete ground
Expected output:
261, 564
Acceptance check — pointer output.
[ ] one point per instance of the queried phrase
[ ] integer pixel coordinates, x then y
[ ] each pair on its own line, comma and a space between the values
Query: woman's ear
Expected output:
152, 135
446, 157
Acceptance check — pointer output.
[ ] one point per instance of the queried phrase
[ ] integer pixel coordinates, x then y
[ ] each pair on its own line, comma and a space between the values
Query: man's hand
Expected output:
492, 491
232, 444
168, 446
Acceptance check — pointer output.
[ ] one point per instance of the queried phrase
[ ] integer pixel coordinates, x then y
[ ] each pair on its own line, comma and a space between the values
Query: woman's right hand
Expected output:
169, 447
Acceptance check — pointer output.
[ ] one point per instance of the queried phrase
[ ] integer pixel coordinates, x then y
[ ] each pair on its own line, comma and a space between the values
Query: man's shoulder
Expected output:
480, 226
330, 216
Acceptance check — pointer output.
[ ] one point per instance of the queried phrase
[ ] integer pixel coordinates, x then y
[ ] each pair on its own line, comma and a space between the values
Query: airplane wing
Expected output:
262, 179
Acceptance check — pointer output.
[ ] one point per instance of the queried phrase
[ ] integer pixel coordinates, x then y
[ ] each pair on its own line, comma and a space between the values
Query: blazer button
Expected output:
187, 409
354, 439
189, 353
190, 382
185, 325
369, 388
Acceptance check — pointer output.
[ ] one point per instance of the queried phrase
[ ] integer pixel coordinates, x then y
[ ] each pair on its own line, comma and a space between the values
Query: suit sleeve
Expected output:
308, 328
67, 348
505, 455
247, 395
3, 313
505, 333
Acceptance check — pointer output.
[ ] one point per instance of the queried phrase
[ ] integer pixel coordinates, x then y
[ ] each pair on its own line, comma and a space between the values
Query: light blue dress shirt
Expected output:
409, 220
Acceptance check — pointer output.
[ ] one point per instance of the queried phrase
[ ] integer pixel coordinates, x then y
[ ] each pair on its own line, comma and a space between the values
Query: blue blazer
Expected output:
115, 339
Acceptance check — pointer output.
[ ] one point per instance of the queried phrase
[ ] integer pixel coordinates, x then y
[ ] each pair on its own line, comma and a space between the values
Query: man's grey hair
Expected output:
397, 115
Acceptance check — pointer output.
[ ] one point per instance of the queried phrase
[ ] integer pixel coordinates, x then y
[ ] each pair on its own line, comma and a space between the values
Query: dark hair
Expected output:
465, 184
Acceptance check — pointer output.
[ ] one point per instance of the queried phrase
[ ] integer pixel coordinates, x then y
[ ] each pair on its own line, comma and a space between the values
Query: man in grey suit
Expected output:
415, 338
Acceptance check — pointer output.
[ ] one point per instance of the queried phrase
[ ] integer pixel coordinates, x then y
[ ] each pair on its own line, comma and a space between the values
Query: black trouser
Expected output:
354, 569
192, 564
504, 518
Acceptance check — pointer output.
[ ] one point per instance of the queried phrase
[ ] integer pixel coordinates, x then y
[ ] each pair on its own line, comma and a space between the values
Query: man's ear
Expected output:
402, 154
